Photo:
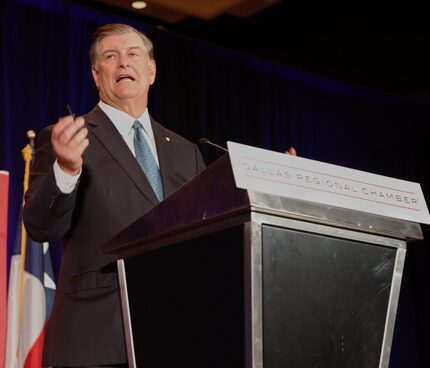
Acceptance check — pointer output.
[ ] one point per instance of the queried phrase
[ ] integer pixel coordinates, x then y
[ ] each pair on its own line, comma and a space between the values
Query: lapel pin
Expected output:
168, 139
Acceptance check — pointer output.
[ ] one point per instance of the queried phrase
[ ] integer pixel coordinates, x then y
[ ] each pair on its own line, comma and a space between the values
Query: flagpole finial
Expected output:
27, 151
31, 134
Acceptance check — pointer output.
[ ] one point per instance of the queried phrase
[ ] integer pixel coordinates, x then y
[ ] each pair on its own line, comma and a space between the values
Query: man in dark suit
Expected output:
88, 183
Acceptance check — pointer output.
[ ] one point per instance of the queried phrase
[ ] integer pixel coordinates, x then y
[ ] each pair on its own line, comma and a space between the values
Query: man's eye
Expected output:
109, 56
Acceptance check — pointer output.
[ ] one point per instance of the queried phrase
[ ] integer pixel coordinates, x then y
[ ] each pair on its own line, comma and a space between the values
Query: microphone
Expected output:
207, 141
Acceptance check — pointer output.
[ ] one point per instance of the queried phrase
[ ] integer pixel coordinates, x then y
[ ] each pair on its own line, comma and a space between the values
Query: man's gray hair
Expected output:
116, 29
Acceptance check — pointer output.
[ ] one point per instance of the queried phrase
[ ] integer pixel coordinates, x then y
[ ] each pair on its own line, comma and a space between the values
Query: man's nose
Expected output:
123, 61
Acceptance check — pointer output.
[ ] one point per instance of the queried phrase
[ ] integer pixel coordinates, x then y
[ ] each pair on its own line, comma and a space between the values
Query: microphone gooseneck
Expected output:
204, 140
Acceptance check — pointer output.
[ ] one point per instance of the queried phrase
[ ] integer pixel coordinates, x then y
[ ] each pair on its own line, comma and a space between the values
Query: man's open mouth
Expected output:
125, 77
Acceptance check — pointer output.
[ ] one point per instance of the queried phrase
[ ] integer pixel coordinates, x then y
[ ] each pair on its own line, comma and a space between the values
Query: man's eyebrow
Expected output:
108, 50
128, 48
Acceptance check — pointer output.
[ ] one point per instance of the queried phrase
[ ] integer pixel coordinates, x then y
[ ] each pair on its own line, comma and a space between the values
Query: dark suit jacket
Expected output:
85, 327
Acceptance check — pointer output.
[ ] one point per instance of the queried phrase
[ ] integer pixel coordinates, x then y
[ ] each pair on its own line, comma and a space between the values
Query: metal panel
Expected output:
128, 331
253, 296
254, 228
392, 308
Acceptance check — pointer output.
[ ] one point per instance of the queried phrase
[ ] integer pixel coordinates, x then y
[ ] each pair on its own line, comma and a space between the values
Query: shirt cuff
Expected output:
65, 182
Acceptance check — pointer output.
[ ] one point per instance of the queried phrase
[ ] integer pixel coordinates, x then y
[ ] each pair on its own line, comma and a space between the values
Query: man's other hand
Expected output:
291, 151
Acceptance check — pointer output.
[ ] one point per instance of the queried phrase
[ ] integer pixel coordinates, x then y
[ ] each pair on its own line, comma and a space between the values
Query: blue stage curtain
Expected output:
203, 90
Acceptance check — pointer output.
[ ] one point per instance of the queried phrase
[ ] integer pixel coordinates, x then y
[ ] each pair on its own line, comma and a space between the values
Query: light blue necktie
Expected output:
147, 161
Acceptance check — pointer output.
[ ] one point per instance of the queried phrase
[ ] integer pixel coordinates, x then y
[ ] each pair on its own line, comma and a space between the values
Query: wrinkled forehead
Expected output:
118, 42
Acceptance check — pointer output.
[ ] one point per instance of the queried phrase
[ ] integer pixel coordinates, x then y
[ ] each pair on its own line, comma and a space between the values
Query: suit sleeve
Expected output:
47, 212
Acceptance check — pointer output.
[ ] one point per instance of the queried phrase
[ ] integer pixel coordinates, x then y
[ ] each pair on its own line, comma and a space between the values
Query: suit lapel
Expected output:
104, 130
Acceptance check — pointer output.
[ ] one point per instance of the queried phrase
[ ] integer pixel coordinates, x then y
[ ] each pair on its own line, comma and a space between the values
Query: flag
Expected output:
31, 295
4, 186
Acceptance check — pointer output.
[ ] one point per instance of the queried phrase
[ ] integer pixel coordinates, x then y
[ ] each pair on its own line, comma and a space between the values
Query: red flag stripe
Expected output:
4, 187
34, 356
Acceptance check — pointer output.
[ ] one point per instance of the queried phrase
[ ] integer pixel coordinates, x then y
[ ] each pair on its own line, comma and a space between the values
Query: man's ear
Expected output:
95, 75
152, 71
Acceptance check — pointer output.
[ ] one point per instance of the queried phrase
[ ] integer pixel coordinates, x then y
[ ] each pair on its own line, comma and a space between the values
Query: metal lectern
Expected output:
217, 276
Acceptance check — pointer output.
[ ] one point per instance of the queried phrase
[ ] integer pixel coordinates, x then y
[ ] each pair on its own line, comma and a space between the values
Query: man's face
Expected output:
123, 71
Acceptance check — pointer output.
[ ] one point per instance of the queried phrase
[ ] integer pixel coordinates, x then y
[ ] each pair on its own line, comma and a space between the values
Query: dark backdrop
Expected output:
204, 90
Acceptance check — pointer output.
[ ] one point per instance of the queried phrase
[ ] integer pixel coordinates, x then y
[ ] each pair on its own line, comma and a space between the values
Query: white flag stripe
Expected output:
48, 281
45, 248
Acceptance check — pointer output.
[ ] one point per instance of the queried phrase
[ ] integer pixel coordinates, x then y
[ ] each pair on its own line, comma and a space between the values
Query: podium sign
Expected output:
295, 177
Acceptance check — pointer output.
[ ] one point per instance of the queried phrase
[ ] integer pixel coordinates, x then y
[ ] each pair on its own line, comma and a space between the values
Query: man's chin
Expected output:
126, 94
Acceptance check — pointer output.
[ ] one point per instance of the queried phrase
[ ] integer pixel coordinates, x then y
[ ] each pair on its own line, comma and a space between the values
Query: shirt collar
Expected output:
124, 122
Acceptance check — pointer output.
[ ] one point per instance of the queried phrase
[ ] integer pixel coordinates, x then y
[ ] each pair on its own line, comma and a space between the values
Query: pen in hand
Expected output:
69, 141
70, 111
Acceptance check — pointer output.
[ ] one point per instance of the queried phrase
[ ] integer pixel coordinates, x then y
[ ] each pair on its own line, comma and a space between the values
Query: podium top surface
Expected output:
213, 196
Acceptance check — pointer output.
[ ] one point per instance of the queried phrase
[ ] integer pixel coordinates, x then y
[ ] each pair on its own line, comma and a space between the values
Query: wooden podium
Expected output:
217, 276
